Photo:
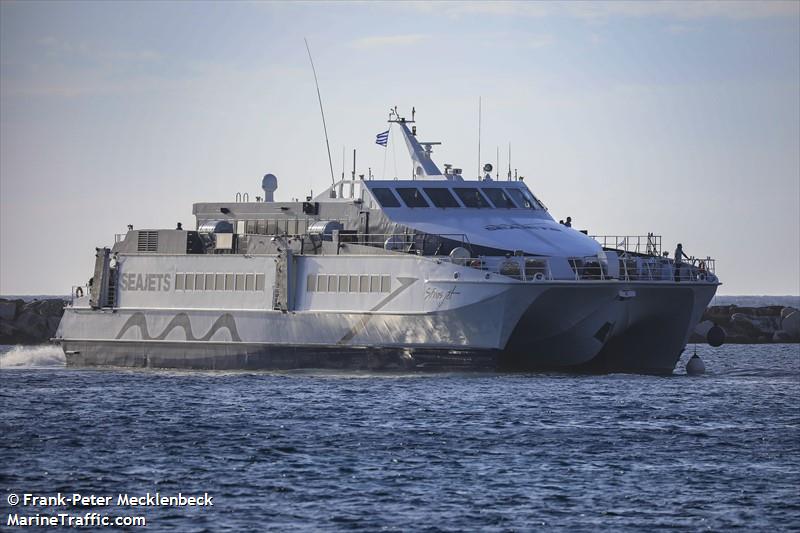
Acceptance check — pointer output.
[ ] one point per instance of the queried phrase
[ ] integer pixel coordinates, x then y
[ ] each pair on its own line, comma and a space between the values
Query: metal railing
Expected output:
649, 244
596, 269
663, 269
418, 243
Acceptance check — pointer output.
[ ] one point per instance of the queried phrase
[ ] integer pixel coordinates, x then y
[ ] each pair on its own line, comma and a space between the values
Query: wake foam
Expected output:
32, 357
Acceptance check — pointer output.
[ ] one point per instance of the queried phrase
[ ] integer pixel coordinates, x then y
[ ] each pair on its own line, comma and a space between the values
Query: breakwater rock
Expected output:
751, 325
33, 322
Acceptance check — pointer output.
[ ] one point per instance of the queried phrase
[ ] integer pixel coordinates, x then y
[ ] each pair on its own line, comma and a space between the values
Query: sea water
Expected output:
412, 452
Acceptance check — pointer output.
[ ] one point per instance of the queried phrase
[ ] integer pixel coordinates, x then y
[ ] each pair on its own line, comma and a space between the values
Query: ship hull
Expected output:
652, 329
246, 356
594, 327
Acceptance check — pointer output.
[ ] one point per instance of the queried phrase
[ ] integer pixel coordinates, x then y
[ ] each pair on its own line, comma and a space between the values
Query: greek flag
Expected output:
382, 138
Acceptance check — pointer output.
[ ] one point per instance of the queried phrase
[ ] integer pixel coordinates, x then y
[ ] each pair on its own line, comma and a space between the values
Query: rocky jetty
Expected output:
33, 322
36, 322
751, 325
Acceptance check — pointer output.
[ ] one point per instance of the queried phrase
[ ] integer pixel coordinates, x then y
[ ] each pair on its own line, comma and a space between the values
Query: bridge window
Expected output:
499, 198
311, 283
441, 197
385, 197
523, 198
471, 197
412, 197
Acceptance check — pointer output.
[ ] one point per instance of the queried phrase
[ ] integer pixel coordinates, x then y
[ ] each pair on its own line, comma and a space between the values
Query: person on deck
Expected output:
679, 256
568, 223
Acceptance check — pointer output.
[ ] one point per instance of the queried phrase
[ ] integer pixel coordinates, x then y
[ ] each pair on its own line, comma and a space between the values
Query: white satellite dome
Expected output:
270, 185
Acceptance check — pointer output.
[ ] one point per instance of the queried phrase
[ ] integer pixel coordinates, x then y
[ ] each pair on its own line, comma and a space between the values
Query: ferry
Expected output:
435, 271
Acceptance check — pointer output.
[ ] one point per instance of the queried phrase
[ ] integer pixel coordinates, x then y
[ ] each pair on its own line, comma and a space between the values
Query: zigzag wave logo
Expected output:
181, 320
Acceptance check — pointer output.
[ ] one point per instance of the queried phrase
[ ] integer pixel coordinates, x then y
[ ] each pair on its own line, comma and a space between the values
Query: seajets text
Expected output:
145, 282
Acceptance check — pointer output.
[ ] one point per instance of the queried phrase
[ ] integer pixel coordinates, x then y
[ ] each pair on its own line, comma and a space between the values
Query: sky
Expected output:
678, 118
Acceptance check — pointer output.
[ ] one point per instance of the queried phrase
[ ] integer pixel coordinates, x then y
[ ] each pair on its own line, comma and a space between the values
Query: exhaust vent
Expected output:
148, 241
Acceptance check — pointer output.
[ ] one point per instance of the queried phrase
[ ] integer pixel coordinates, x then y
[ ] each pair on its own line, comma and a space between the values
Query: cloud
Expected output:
62, 49
593, 10
679, 28
538, 41
679, 9
389, 40
72, 81
517, 40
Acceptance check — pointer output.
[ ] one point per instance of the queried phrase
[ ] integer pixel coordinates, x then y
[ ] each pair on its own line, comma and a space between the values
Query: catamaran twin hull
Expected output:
425, 321
432, 271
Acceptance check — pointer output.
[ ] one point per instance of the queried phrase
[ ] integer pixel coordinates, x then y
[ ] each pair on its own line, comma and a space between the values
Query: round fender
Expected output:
715, 336
695, 366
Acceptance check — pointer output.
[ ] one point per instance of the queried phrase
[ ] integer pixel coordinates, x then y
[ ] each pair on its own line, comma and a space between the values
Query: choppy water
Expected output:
416, 453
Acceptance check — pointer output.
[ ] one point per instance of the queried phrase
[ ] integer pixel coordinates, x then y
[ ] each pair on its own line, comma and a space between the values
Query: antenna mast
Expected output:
319, 97
509, 161
480, 169
497, 170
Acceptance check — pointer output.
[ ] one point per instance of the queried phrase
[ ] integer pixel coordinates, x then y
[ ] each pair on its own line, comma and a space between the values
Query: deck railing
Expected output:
419, 243
630, 268
649, 244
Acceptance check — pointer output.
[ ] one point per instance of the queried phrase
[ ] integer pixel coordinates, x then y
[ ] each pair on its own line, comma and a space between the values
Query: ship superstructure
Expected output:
434, 271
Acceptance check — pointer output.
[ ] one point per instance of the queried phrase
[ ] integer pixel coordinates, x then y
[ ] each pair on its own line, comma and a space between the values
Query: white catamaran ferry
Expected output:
430, 272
